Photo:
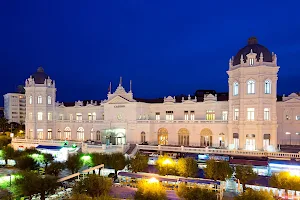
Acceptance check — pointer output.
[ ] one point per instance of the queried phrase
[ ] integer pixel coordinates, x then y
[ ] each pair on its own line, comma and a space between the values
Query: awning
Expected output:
48, 147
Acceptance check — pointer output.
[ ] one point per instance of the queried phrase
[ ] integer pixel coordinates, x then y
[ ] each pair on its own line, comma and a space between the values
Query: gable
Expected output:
118, 100
292, 100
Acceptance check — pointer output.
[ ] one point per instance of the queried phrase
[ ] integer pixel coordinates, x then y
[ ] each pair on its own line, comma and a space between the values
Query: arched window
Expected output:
251, 61
235, 88
92, 134
98, 136
40, 100
267, 87
80, 133
49, 100
143, 137
162, 136
30, 100
251, 87
67, 133
183, 137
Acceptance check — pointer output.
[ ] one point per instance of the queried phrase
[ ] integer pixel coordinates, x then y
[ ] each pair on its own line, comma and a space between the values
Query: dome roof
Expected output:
256, 48
40, 76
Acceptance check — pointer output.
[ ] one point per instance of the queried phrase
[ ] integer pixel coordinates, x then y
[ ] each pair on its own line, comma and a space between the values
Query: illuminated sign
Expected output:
119, 106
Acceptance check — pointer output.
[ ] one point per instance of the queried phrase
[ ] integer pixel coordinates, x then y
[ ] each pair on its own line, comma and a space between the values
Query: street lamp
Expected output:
152, 180
288, 133
167, 162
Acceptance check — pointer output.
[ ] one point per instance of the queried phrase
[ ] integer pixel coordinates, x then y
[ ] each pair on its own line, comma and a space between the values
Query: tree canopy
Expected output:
218, 170
26, 163
251, 194
73, 163
195, 192
285, 180
245, 174
139, 163
187, 167
150, 190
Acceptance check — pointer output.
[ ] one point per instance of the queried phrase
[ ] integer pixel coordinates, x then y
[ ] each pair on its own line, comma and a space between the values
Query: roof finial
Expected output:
130, 86
120, 83
252, 40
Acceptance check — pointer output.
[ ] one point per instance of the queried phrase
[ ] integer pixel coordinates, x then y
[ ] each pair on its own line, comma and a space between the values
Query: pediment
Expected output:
118, 100
292, 100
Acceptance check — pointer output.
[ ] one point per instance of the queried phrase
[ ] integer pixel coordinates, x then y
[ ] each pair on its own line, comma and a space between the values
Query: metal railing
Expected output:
220, 151
36, 141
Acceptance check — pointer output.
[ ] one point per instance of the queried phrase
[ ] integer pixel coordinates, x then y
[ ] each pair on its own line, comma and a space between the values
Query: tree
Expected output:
187, 167
218, 170
55, 168
73, 163
48, 158
195, 192
251, 194
150, 190
4, 141
164, 167
117, 161
8, 153
139, 162
47, 185
93, 186
26, 163
245, 174
285, 180
3, 124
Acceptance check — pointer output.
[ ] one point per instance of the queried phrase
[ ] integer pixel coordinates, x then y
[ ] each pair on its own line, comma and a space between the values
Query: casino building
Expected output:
250, 116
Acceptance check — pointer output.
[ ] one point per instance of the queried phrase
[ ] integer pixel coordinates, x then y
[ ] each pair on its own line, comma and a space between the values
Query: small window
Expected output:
157, 116
169, 115
94, 116
250, 114
267, 87
30, 116
251, 61
89, 116
49, 116
78, 116
49, 134
192, 115
186, 115
30, 100
267, 114
297, 117
40, 100
49, 100
287, 117
210, 115
225, 115
236, 114
235, 88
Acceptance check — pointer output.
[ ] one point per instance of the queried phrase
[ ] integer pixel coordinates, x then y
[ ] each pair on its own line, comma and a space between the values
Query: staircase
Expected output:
131, 148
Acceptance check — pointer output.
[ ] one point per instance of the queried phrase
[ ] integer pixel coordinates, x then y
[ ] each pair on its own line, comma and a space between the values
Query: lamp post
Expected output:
288, 133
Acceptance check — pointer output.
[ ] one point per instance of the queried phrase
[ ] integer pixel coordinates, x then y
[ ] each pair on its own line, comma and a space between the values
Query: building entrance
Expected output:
114, 136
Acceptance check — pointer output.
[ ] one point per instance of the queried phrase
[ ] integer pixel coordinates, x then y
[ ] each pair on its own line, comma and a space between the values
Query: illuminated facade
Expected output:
251, 117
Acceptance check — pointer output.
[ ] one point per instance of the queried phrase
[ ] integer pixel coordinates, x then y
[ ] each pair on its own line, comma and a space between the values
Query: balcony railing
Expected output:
221, 151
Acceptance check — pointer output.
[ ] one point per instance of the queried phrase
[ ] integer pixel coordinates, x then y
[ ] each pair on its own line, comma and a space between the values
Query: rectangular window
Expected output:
40, 116
94, 116
169, 115
78, 116
225, 115
192, 115
49, 134
297, 117
31, 134
30, 116
157, 116
90, 116
61, 116
236, 114
40, 100
40, 134
71, 116
267, 114
49, 116
250, 114
30, 100
210, 115
236, 143
49, 100
186, 115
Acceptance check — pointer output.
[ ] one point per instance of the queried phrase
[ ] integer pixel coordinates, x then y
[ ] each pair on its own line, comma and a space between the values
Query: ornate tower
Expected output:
40, 95
252, 81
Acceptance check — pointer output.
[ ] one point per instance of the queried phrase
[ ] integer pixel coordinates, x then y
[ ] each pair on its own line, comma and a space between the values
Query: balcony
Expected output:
182, 121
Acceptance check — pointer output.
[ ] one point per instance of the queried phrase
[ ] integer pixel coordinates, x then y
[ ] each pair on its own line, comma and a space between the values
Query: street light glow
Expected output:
153, 180
167, 162
86, 158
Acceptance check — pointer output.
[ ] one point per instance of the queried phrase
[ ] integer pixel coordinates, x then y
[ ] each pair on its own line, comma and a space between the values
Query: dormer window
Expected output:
251, 61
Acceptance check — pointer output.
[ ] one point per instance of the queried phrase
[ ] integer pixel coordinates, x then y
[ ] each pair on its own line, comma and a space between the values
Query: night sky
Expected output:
164, 47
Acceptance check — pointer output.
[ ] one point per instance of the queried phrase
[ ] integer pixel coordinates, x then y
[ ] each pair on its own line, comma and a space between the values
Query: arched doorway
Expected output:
98, 136
143, 137
206, 137
162, 136
67, 133
183, 137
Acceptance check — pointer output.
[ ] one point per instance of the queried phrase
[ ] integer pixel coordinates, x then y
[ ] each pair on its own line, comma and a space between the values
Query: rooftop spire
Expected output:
120, 83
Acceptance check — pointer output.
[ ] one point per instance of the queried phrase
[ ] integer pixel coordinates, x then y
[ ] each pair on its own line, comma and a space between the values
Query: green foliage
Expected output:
3, 124
245, 174
251, 194
285, 180
139, 163
55, 168
8, 153
5, 194
117, 161
30, 151
31, 183
74, 163
150, 191
218, 170
163, 168
4, 141
47, 158
26, 163
187, 167
195, 192
93, 186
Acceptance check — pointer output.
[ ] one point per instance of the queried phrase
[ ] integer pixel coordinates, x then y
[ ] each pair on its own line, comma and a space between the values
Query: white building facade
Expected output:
252, 117
15, 107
